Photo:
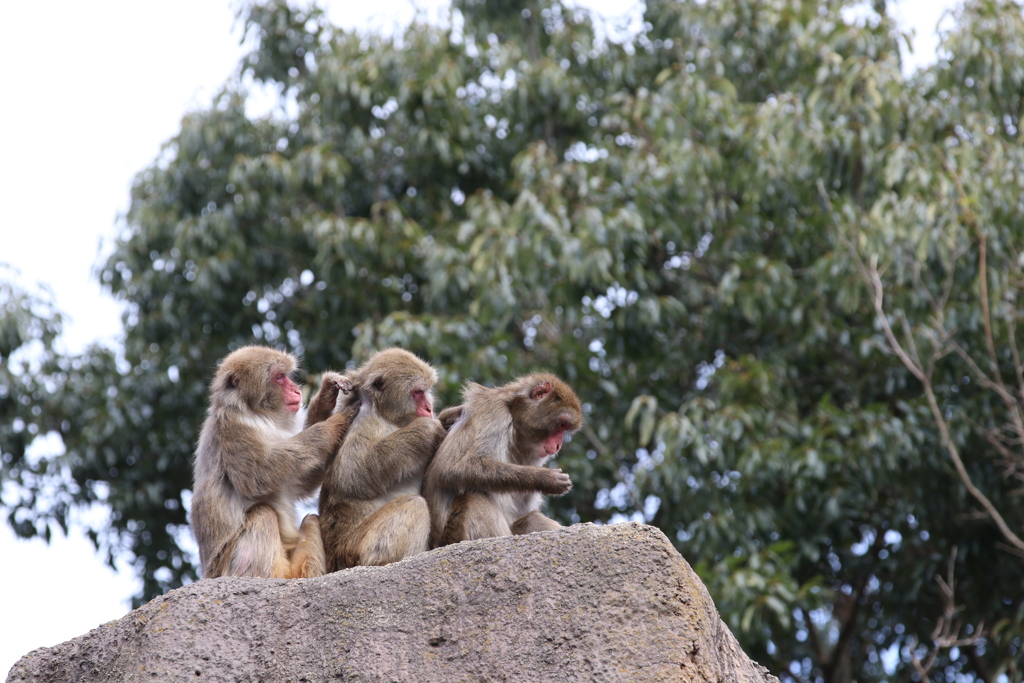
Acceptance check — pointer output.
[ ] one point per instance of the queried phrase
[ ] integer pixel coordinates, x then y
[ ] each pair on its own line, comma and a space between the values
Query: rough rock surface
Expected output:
588, 602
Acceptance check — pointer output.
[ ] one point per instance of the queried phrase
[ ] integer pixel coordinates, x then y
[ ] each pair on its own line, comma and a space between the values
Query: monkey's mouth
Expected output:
292, 402
553, 444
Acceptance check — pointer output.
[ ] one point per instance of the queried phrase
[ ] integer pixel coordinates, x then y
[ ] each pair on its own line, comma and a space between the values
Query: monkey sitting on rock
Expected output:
254, 460
371, 509
487, 478
385, 494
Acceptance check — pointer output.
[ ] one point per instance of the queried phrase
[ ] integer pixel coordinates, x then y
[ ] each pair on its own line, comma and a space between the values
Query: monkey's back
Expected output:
485, 429
218, 507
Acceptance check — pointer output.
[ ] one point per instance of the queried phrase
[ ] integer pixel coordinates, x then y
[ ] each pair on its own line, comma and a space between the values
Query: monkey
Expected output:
487, 477
370, 508
254, 460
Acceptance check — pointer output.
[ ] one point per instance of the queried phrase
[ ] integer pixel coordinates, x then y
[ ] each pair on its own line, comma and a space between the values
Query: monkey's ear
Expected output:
231, 381
378, 382
540, 391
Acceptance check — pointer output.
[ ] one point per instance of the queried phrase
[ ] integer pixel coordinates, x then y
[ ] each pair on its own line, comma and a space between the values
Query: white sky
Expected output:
92, 91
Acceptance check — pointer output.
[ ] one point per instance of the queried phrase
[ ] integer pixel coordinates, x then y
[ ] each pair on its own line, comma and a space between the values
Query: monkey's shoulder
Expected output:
230, 432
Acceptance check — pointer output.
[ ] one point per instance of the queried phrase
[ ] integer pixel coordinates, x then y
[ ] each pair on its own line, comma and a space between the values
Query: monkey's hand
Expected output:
325, 402
436, 432
333, 383
556, 482
449, 416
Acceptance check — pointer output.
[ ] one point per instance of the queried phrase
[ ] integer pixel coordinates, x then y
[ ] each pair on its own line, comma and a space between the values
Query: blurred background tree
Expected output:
781, 274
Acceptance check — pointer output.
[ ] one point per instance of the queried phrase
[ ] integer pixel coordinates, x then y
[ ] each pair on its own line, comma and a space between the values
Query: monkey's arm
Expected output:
259, 471
450, 416
365, 474
322, 405
477, 471
473, 461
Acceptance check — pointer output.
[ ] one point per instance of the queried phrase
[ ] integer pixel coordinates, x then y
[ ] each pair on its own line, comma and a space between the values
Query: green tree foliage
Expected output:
697, 227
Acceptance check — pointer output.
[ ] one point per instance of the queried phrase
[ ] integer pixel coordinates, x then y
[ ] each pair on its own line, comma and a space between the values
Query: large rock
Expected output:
588, 602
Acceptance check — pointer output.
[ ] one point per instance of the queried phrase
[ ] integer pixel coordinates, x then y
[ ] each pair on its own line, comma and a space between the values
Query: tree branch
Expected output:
972, 221
946, 634
875, 281
951, 449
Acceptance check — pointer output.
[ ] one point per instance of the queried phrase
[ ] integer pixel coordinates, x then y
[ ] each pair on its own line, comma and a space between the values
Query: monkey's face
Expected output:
398, 384
291, 397
422, 399
401, 398
259, 378
551, 411
558, 427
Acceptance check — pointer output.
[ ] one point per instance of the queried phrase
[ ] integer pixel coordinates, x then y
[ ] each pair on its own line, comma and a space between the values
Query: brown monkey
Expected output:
371, 509
487, 477
254, 460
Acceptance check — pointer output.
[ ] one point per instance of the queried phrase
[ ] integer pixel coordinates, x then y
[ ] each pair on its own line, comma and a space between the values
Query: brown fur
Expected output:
487, 477
323, 405
370, 505
253, 462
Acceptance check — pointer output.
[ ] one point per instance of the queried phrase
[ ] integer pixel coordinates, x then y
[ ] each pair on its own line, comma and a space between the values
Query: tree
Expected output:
683, 226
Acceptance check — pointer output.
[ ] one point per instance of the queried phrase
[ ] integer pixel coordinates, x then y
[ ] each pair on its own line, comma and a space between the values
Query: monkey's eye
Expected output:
279, 378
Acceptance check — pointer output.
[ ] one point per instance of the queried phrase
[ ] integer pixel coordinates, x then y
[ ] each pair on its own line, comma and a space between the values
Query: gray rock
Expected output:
588, 602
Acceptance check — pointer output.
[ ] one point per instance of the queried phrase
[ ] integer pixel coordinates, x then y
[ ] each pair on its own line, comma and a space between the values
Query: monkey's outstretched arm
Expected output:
323, 403
479, 472
469, 462
257, 470
402, 454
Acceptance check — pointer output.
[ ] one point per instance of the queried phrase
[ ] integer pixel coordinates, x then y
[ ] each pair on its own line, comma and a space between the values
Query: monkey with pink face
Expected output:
488, 476
370, 505
258, 453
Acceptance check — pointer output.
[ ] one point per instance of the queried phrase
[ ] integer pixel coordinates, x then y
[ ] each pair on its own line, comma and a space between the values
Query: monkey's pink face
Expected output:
553, 443
290, 394
424, 406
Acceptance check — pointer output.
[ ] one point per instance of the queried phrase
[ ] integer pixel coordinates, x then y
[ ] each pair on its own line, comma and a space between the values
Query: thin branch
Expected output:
946, 634
1010, 549
996, 384
875, 280
986, 313
972, 221
894, 345
1018, 369
909, 333
996, 442
954, 455
950, 278
979, 374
